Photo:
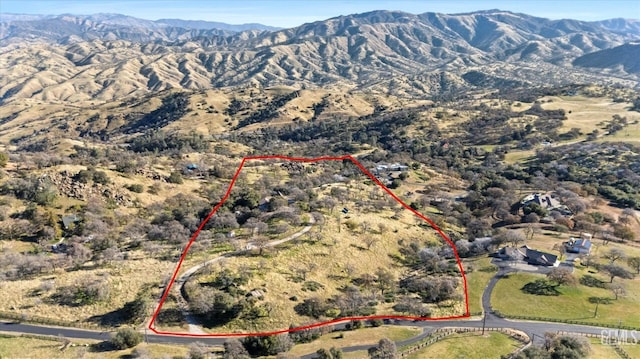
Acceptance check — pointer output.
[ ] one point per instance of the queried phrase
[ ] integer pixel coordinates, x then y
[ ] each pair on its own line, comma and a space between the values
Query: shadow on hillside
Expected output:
112, 319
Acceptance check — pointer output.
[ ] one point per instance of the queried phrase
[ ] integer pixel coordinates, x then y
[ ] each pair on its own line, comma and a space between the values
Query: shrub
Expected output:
154, 189
540, 287
84, 176
385, 349
591, 281
233, 349
268, 345
84, 292
126, 338
312, 286
141, 353
175, 178
305, 335
4, 159
198, 350
136, 310
100, 177
136, 188
312, 307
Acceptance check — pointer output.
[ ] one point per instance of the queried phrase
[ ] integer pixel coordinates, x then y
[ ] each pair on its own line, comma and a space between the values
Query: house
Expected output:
531, 256
395, 167
69, 220
546, 201
580, 245
398, 167
539, 258
543, 200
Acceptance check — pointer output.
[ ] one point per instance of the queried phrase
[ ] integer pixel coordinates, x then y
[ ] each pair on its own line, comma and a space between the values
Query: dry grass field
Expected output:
21, 347
587, 113
125, 279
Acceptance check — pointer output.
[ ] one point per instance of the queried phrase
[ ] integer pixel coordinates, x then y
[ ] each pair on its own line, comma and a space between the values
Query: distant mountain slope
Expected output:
105, 57
73, 28
209, 25
622, 26
627, 56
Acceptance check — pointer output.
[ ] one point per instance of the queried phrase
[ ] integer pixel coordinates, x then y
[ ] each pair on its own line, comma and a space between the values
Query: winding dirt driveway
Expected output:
194, 324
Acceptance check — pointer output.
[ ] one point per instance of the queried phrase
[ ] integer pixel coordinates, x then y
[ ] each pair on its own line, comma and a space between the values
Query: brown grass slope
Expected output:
366, 51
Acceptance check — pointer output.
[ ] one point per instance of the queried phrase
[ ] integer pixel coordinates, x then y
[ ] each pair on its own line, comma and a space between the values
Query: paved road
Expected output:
535, 330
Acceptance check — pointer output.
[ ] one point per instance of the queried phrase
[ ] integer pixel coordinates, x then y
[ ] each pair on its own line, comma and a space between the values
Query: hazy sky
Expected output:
289, 13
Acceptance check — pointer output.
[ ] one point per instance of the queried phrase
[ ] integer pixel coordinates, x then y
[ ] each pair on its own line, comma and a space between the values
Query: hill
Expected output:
625, 56
105, 57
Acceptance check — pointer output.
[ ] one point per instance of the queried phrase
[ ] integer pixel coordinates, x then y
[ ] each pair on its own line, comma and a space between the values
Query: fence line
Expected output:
442, 333
42, 320
616, 346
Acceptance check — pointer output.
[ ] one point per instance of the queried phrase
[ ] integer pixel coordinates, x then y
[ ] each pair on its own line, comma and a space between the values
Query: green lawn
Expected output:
477, 280
363, 336
601, 351
572, 304
518, 156
633, 350
469, 345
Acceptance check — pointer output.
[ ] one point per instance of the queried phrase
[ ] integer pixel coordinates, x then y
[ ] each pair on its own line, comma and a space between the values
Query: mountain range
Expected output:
108, 56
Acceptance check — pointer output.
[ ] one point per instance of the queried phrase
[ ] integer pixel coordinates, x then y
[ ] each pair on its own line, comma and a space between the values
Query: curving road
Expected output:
535, 330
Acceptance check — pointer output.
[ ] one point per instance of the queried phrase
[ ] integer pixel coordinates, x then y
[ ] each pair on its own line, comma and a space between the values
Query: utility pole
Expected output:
484, 320
619, 327
596, 313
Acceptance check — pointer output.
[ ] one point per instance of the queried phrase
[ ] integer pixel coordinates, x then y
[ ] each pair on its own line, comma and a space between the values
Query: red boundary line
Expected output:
320, 324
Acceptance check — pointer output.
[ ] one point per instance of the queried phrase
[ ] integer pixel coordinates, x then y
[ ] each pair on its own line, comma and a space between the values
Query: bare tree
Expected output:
607, 236
634, 262
256, 226
79, 254
350, 270
386, 349
366, 227
588, 260
560, 248
562, 276
261, 242
627, 215
233, 349
302, 269
614, 254
614, 270
618, 290
198, 350
530, 230
111, 254
370, 240
514, 237
385, 280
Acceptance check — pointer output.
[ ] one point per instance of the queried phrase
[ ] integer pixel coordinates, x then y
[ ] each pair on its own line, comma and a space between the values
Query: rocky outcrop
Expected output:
71, 188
